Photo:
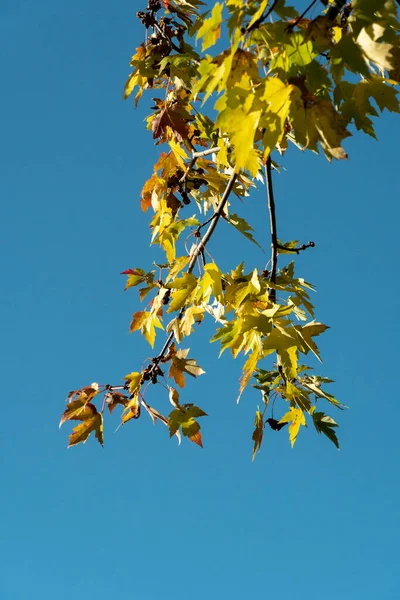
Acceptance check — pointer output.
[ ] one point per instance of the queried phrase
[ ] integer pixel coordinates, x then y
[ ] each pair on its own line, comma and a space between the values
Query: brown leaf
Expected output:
78, 410
113, 399
169, 117
85, 394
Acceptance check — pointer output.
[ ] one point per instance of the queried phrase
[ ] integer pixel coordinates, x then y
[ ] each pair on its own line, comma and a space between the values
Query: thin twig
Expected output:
303, 14
272, 220
261, 19
195, 156
298, 249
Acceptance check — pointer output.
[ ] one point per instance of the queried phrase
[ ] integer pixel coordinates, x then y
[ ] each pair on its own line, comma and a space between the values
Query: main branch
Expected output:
272, 220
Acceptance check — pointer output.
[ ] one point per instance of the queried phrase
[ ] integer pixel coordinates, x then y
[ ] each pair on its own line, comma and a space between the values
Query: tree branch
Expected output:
197, 252
272, 220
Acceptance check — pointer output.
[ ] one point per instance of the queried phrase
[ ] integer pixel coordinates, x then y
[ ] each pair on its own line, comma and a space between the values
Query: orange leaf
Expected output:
196, 438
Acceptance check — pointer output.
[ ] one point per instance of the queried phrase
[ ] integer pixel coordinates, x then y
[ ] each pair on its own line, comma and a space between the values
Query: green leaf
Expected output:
184, 418
324, 424
182, 288
242, 226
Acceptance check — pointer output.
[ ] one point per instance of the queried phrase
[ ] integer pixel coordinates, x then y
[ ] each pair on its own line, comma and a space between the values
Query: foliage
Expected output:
275, 77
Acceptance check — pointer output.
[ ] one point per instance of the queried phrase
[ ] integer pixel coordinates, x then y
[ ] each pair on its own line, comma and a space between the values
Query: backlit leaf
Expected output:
296, 418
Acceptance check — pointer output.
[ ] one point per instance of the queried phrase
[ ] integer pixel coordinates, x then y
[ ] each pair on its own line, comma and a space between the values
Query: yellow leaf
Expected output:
248, 370
194, 314
210, 31
241, 128
134, 381
296, 418
278, 95
149, 329
182, 289
131, 410
179, 151
212, 283
81, 433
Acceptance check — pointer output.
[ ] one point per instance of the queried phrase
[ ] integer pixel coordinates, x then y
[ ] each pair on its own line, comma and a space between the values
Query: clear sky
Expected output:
144, 518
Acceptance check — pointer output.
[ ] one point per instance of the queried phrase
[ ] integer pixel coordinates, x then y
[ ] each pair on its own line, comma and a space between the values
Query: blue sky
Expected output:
144, 518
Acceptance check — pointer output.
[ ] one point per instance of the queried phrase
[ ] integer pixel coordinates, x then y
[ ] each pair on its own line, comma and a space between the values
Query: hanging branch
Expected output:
196, 253
272, 219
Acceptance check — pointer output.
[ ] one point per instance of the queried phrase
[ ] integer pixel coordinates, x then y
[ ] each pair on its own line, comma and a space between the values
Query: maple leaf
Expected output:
184, 418
134, 379
181, 365
92, 420
378, 52
324, 424
146, 322
81, 433
296, 418
78, 410
115, 398
138, 276
86, 394
132, 409
172, 118
210, 30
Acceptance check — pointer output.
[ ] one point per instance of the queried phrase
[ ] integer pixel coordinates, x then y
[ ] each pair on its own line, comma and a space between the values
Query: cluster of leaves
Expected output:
309, 79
